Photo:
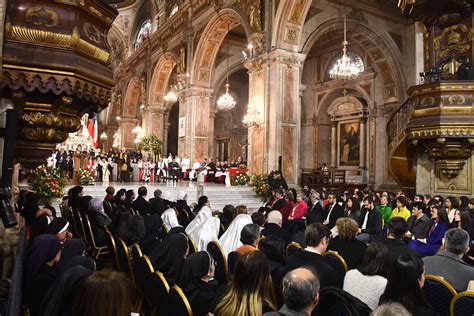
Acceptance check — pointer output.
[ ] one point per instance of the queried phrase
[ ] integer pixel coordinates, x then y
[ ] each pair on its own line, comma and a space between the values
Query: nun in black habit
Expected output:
170, 256
197, 282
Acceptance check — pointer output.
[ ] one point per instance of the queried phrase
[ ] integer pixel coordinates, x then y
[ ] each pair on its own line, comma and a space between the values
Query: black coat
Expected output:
157, 205
374, 224
352, 251
98, 221
271, 229
336, 213
278, 204
326, 274
397, 247
142, 206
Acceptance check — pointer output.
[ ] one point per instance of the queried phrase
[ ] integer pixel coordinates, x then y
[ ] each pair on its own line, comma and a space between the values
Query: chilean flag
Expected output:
93, 128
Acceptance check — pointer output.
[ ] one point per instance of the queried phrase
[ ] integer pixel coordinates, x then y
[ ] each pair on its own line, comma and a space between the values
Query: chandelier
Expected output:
251, 118
171, 96
226, 101
344, 68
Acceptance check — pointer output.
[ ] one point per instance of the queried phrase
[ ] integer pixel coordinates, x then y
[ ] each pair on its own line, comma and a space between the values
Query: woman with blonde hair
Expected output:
249, 292
346, 244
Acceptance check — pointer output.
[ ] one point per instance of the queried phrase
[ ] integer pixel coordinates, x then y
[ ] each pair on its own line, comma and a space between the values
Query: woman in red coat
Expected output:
300, 209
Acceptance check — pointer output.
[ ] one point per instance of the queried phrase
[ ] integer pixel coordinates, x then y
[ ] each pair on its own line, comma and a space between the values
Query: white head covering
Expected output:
230, 240
182, 196
169, 218
205, 233
166, 195
200, 218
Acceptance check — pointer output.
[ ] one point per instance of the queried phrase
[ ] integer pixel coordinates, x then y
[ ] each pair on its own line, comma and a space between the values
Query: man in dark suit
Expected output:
279, 200
370, 222
157, 204
317, 240
315, 204
447, 262
418, 224
273, 227
141, 204
397, 227
332, 212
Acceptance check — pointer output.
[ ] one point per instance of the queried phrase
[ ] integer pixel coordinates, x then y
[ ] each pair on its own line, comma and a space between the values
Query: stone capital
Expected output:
288, 58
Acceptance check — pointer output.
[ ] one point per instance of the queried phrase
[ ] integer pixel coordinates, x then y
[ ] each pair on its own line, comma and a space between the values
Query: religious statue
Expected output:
255, 16
181, 61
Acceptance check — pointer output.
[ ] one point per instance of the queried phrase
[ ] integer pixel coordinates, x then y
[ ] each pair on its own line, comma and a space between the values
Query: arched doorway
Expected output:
172, 135
230, 135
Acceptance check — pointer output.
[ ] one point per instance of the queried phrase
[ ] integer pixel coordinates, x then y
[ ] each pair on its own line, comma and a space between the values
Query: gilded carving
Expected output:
456, 99
297, 12
92, 32
40, 16
34, 36
454, 40
95, 11
427, 102
181, 65
51, 120
43, 134
255, 16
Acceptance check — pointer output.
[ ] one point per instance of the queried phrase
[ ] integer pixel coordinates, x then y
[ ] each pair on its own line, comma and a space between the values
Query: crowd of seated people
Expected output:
384, 242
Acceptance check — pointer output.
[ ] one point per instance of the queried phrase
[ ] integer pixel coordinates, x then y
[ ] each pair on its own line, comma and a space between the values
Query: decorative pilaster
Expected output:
362, 143
195, 106
333, 144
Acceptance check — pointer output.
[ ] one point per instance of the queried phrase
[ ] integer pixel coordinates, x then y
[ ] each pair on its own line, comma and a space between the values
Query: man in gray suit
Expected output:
448, 263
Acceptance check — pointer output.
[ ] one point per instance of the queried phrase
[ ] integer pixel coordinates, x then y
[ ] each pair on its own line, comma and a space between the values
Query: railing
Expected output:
318, 178
398, 123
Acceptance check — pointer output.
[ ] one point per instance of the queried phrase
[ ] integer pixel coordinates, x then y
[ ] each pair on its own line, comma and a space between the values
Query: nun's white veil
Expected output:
230, 240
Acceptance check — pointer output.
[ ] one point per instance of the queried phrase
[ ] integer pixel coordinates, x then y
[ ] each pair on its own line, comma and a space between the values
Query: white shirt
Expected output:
364, 224
326, 221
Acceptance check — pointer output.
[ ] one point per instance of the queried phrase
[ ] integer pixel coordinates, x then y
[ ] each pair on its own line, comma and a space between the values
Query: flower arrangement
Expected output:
151, 144
241, 179
260, 184
49, 182
85, 176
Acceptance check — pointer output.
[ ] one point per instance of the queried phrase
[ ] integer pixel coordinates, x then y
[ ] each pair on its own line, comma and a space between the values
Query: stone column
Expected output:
362, 143
126, 127
333, 144
155, 120
110, 131
195, 107
283, 112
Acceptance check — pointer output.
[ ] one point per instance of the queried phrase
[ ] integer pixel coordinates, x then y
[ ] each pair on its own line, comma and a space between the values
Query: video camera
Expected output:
7, 211
434, 74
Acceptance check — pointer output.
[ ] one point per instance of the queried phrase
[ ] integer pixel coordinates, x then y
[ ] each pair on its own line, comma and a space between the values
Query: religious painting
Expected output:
349, 142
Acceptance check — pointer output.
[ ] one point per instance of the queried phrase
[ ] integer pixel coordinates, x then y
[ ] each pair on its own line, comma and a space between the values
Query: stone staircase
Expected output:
218, 195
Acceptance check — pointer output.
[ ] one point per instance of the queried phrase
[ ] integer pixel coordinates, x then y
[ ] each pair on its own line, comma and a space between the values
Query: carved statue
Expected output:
181, 61
255, 16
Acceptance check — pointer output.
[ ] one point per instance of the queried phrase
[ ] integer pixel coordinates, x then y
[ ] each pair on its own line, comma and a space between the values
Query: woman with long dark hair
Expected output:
404, 285
249, 292
452, 205
368, 282
352, 208
429, 246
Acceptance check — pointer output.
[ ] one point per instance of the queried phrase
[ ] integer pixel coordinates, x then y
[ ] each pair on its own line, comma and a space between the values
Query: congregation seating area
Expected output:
172, 258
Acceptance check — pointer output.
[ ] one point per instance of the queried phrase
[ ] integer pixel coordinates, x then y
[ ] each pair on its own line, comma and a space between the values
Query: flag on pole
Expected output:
93, 128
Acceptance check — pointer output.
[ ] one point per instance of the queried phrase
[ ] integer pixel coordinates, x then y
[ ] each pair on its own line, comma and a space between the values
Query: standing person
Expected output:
404, 286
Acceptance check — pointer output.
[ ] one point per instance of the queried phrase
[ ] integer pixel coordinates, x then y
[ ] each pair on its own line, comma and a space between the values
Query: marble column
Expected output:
155, 120
283, 112
362, 143
128, 137
195, 106
333, 144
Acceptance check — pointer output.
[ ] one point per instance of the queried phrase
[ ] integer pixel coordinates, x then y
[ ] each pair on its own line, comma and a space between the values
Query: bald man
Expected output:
300, 293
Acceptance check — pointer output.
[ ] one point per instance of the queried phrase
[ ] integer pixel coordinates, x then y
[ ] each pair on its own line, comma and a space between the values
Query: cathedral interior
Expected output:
400, 117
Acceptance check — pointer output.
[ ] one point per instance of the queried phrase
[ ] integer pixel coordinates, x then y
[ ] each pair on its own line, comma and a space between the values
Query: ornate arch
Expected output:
290, 18
345, 105
383, 51
210, 42
132, 97
160, 78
